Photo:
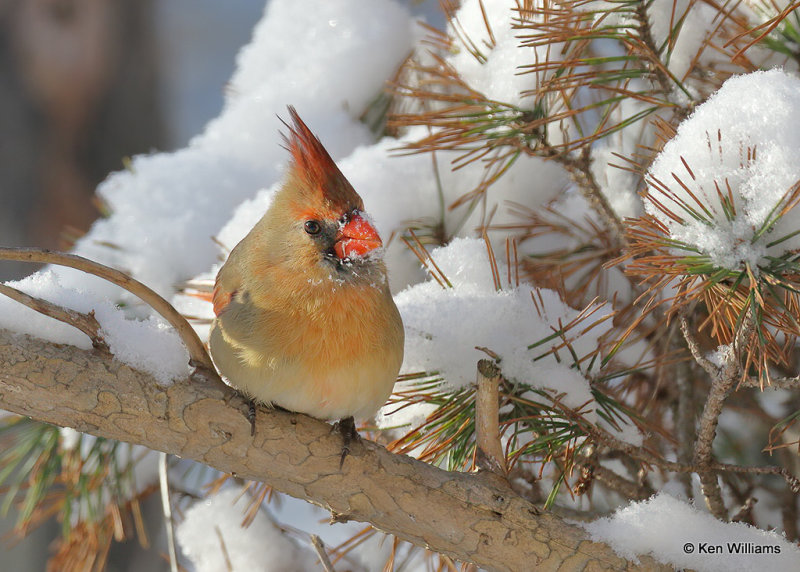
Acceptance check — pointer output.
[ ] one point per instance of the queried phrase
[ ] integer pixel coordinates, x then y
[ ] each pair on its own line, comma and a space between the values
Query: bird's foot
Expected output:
347, 429
251, 416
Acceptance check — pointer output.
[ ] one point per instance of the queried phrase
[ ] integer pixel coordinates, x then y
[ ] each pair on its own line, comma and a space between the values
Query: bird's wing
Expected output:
228, 282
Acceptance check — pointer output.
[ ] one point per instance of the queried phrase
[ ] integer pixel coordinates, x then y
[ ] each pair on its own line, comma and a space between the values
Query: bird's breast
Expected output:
329, 354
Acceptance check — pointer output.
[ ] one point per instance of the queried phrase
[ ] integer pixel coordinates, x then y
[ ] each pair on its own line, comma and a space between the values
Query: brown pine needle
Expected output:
492, 262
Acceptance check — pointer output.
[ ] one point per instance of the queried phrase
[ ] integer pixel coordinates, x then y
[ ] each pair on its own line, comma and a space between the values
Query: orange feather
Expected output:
317, 173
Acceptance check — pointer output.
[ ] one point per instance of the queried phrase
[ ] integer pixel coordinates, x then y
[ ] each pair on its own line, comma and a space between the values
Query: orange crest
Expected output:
314, 167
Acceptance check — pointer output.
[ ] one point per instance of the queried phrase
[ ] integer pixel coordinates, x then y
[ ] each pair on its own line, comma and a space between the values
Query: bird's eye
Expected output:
312, 227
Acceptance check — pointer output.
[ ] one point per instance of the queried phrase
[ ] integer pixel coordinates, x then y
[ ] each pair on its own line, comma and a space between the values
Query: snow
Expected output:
212, 537
682, 27
150, 344
444, 326
69, 438
677, 534
497, 73
750, 114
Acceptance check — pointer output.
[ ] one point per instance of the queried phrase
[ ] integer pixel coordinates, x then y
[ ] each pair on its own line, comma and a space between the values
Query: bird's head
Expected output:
324, 224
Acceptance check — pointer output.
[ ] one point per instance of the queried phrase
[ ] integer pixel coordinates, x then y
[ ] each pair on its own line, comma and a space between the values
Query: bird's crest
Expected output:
314, 167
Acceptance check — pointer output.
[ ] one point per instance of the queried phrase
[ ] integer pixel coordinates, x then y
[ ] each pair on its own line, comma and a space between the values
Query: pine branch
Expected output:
723, 379
203, 421
580, 170
648, 457
624, 487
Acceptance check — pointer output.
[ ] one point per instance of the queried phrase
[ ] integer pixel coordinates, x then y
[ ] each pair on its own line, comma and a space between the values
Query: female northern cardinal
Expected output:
304, 316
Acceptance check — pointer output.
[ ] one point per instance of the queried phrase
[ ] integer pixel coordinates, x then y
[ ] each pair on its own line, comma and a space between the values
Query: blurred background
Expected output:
84, 84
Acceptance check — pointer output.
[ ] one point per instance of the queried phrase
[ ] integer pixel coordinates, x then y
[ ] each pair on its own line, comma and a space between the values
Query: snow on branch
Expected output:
197, 351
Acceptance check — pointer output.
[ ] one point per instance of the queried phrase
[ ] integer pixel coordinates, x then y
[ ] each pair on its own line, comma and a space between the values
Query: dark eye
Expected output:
312, 227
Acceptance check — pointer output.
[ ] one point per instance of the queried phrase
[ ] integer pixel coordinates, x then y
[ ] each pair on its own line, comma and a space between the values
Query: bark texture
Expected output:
470, 517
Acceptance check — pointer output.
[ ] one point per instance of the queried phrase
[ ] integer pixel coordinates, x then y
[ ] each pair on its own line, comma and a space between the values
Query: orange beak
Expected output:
356, 238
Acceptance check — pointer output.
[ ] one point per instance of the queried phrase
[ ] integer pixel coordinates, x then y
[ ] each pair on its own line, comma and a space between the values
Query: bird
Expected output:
304, 318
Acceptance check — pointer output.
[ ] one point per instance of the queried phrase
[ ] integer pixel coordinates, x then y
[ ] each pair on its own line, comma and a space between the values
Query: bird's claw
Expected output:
347, 429
251, 416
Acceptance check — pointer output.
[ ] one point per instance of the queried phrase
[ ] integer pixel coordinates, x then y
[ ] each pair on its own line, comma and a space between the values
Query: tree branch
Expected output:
487, 425
644, 455
722, 383
580, 170
470, 517
197, 351
86, 323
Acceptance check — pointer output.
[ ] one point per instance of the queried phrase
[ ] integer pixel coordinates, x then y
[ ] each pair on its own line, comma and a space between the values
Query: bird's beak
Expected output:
356, 238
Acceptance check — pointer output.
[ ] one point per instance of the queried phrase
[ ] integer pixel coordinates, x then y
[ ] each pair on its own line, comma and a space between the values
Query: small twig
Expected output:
322, 554
495, 356
198, 355
792, 481
646, 38
489, 450
620, 484
723, 379
708, 478
789, 514
86, 323
694, 348
745, 511
581, 172
641, 454
685, 412
779, 383
166, 506
648, 457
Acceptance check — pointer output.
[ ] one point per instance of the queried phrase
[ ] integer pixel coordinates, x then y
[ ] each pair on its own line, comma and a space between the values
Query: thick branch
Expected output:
471, 517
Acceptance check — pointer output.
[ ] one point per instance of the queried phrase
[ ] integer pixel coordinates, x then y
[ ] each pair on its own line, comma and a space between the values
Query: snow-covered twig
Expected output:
197, 351
86, 323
